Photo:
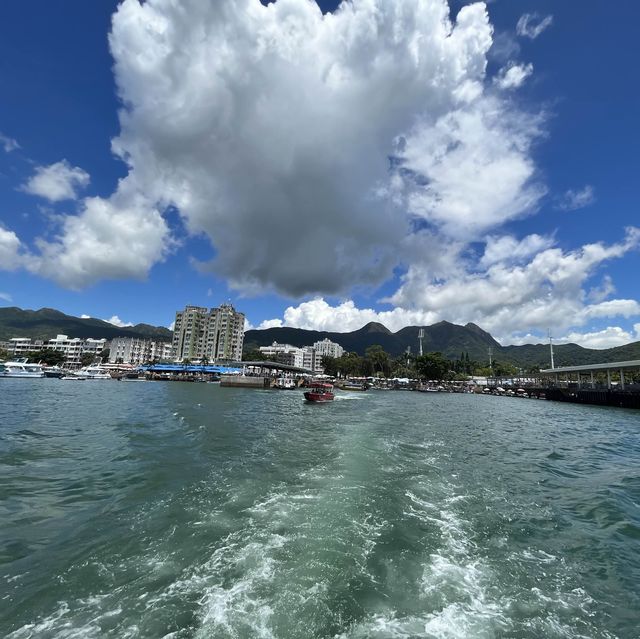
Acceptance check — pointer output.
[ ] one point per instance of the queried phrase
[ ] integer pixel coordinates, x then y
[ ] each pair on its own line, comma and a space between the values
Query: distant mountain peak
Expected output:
482, 333
375, 327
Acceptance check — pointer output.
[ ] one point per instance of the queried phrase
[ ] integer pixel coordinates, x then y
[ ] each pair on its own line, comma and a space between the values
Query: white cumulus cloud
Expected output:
531, 25
319, 315
57, 182
271, 128
116, 321
116, 238
10, 247
576, 199
517, 286
472, 169
507, 248
513, 76
607, 338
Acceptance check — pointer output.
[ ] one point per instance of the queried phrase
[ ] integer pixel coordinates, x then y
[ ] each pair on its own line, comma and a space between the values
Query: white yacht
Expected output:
20, 368
95, 371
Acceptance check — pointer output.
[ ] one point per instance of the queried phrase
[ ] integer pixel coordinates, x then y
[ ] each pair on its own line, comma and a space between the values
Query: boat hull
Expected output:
26, 375
311, 396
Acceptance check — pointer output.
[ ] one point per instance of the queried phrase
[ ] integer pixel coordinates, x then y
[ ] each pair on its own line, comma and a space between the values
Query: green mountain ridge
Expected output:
452, 340
46, 323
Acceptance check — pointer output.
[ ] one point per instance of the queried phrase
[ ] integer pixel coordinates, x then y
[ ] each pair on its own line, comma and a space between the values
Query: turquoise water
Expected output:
150, 509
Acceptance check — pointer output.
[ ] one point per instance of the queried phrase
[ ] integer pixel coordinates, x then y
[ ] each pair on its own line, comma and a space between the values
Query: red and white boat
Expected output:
319, 392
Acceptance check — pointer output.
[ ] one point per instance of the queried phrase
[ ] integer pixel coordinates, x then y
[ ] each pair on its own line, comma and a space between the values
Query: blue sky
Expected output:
258, 167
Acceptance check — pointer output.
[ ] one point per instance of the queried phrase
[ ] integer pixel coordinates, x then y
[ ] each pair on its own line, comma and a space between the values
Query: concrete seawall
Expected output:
242, 381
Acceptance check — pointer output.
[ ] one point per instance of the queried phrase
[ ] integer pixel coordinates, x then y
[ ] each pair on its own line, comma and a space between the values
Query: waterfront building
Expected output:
302, 357
74, 348
20, 346
325, 348
163, 351
284, 354
136, 351
309, 358
328, 348
214, 334
225, 334
188, 332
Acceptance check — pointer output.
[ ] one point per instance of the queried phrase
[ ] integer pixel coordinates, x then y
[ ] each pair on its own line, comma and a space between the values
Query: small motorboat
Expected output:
319, 392
351, 385
285, 383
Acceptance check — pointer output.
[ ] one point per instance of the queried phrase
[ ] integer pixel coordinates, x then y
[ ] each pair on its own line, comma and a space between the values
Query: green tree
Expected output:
350, 365
47, 356
379, 360
4, 354
504, 369
330, 365
433, 366
253, 355
86, 359
403, 366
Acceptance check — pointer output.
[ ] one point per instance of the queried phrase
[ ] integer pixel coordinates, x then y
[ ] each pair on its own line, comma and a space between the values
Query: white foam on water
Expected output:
63, 624
345, 396
238, 604
385, 627
457, 585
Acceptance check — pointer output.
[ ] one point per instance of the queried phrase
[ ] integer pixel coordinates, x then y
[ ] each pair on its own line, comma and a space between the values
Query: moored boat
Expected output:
74, 377
285, 383
21, 368
54, 371
319, 392
94, 372
352, 385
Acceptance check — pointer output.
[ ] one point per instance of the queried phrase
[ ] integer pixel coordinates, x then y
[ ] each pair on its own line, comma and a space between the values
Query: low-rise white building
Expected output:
302, 357
75, 347
284, 353
134, 350
20, 346
72, 347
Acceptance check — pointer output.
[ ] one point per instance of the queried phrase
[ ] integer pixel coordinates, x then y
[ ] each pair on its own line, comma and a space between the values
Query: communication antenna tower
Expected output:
551, 348
421, 337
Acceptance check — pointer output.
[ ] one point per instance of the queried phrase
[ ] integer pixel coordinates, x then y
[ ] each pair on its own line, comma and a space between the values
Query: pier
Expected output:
261, 374
608, 384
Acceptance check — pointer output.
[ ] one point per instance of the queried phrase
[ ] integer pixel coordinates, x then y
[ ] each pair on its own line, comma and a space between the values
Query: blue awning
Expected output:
189, 368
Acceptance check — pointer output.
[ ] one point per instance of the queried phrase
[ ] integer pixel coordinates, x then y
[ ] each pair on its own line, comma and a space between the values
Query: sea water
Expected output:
159, 509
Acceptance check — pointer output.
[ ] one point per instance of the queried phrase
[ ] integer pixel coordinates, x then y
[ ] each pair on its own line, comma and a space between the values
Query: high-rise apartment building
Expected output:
212, 334
188, 331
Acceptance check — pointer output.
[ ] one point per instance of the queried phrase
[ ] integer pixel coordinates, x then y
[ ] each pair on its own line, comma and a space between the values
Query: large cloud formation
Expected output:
272, 130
